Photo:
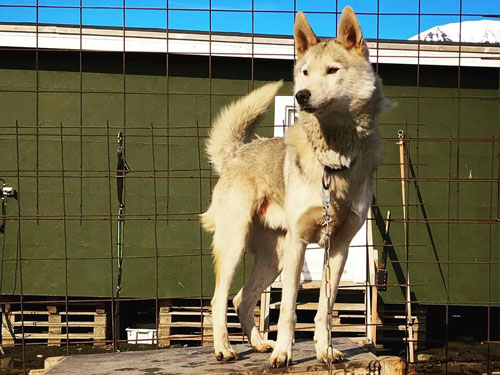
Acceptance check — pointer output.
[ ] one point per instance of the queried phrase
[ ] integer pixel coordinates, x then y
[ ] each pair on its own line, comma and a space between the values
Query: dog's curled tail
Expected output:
236, 124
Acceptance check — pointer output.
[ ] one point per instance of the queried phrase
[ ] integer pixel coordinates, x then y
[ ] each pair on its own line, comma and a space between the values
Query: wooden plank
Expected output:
36, 312
314, 306
198, 324
316, 284
57, 324
29, 312
309, 327
7, 326
34, 335
76, 313
194, 313
209, 338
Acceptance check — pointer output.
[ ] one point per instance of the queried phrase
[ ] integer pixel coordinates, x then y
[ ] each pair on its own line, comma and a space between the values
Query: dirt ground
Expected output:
454, 359
459, 358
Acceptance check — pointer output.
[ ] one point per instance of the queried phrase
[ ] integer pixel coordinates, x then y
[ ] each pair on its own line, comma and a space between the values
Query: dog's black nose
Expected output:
303, 96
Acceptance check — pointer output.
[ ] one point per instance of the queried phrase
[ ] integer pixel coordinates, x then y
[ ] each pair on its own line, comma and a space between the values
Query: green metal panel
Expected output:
452, 256
169, 118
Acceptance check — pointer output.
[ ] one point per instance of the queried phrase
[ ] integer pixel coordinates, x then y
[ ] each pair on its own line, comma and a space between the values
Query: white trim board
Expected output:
266, 47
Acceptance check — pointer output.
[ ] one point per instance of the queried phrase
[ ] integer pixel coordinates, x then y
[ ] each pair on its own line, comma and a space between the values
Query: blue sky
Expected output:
398, 19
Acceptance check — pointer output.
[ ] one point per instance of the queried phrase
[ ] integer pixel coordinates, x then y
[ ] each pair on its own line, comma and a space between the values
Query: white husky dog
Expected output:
267, 199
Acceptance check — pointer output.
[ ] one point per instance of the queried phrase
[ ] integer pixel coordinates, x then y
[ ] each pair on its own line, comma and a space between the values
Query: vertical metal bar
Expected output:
81, 111
252, 58
19, 256
418, 102
497, 219
459, 78
448, 252
336, 17
37, 115
167, 125
111, 242
124, 77
156, 233
378, 37
373, 295
168, 112
66, 307
199, 160
488, 329
252, 77
124, 93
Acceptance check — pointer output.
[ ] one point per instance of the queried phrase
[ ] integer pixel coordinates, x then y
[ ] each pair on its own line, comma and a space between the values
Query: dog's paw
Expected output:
264, 346
329, 354
280, 358
226, 354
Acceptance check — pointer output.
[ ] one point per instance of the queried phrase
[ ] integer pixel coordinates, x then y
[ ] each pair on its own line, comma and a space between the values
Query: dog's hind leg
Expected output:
229, 245
266, 244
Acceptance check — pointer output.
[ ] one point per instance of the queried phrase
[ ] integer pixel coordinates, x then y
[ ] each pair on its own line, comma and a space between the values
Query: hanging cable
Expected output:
122, 169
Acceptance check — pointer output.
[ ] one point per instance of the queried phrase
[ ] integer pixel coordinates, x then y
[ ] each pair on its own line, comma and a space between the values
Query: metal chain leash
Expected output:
326, 180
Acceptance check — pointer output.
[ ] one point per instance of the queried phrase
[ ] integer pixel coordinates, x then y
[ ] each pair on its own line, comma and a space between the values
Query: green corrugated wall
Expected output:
170, 256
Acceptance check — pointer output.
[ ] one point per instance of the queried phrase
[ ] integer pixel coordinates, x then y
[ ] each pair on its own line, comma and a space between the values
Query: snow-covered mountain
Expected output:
482, 31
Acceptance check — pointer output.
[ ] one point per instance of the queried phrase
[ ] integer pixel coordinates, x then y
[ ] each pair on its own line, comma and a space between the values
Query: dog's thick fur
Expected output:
267, 200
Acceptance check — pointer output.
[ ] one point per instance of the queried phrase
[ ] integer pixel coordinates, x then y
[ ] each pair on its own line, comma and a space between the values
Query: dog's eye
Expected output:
332, 70
305, 72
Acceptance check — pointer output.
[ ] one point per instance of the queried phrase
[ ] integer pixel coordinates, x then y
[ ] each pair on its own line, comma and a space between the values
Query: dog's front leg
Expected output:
338, 257
293, 261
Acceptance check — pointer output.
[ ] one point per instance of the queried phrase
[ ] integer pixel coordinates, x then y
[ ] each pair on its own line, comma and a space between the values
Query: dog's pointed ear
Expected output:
349, 32
303, 34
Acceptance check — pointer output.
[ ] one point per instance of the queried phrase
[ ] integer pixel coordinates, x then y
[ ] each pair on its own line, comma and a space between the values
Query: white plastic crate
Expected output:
141, 336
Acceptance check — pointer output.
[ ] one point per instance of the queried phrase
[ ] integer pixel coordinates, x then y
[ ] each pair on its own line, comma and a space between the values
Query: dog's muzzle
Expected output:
302, 97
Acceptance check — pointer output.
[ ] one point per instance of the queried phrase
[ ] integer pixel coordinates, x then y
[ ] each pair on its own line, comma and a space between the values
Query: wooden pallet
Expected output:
349, 313
181, 321
52, 324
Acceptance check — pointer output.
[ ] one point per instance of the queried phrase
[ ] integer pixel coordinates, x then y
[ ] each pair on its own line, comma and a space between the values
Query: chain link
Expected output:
326, 220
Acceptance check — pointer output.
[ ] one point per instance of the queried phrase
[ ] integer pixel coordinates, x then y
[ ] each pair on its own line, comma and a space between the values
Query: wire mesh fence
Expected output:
100, 234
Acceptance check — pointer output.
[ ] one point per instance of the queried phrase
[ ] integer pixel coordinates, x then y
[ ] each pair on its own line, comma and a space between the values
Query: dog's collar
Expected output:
343, 168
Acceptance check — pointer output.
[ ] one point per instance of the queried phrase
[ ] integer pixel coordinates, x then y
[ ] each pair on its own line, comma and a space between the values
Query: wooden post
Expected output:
100, 319
164, 324
402, 164
7, 326
55, 328
208, 332
374, 311
335, 321
265, 303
